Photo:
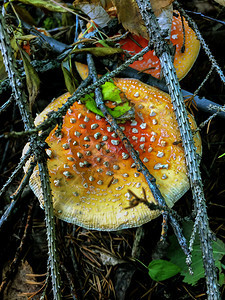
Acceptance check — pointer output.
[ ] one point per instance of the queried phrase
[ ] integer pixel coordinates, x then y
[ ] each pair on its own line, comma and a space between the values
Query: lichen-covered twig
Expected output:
16, 171
37, 147
15, 196
6, 104
162, 52
202, 41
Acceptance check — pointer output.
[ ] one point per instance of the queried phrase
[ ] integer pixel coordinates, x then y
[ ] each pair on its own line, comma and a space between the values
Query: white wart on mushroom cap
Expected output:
91, 171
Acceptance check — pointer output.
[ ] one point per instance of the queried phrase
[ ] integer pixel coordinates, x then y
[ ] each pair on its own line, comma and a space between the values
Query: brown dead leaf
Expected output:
159, 5
106, 4
129, 15
19, 288
95, 12
127, 11
221, 2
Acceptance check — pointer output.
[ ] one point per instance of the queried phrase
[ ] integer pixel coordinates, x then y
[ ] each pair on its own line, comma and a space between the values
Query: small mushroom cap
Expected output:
150, 63
91, 172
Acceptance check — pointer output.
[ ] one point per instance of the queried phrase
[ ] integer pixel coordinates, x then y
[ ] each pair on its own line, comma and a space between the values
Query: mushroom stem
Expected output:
139, 164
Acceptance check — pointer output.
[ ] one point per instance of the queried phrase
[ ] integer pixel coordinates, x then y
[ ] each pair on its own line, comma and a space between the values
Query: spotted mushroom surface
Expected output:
183, 61
91, 171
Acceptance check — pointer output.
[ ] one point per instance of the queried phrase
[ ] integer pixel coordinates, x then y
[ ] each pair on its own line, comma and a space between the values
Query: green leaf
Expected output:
221, 155
32, 78
89, 102
98, 51
176, 255
69, 77
160, 269
47, 4
110, 93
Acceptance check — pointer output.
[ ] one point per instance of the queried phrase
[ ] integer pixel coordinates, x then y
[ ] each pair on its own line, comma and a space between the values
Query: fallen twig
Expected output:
37, 147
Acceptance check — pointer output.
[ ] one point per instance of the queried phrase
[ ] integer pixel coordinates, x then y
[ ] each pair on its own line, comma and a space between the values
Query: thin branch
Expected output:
18, 134
6, 104
16, 171
15, 197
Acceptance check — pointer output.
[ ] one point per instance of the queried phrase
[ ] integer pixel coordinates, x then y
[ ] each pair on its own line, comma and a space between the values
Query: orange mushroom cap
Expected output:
150, 63
91, 172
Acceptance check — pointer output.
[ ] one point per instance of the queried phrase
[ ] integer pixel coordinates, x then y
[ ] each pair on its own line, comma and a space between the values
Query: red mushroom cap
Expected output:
149, 63
91, 172
182, 61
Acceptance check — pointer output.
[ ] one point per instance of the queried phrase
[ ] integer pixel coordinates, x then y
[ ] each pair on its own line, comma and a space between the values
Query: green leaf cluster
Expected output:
176, 256
110, 93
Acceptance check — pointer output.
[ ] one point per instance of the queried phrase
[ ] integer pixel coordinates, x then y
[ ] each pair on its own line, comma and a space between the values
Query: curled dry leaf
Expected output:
159, 5
32, 78
129, 15
221, 2
94, 10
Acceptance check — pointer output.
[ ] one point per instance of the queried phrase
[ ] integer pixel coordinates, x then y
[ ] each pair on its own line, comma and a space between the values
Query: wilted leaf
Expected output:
130, 17
98, 51
160, 269
47, 4
108, 259
106, 4
24, 14
32, 79
159, 5
176, 256
221, 2
3, 73
70, 80
95, 12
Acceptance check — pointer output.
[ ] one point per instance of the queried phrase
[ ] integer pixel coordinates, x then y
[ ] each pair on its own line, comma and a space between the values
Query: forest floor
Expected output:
86, 272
